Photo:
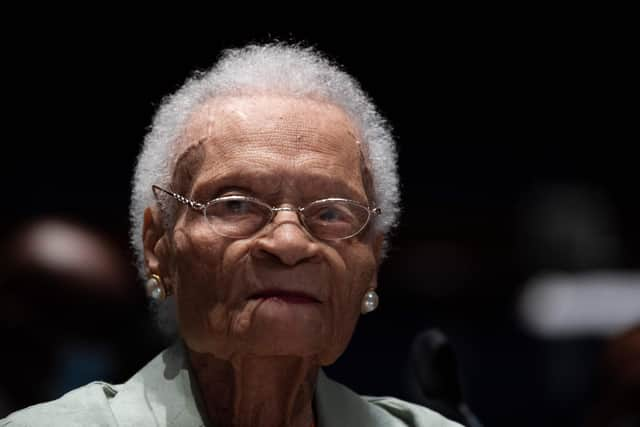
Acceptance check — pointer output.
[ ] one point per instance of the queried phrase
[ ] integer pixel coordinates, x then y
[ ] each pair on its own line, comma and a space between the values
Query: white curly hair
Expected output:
277, 68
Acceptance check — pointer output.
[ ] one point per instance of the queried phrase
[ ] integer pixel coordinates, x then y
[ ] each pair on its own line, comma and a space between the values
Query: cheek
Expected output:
204, 293
207, 264
197, 262
359, 271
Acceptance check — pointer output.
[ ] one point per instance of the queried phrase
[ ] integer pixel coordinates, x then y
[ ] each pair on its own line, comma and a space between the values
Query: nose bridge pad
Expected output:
300, 222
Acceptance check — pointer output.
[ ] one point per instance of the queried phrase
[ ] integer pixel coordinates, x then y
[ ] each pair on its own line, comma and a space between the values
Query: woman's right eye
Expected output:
236, 207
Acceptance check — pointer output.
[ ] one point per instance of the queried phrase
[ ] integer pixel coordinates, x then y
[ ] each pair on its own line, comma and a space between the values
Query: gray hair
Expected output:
281, 69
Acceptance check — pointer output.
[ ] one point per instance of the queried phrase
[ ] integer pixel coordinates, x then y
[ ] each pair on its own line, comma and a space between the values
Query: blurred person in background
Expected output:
68, 309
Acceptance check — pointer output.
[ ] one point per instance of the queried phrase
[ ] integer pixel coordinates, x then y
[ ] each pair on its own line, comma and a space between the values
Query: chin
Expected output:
287, 341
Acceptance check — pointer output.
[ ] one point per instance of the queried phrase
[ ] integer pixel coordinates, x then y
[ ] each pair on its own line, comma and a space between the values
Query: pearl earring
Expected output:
156, 289
370, 301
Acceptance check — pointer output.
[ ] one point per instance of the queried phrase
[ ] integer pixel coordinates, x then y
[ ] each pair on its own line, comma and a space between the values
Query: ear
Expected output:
156, 244
378, 244
374, 282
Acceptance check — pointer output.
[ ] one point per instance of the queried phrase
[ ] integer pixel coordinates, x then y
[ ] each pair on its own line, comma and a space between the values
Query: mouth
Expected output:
291, 297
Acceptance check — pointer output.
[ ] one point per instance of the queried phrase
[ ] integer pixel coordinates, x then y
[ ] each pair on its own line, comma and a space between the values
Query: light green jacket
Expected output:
162, 394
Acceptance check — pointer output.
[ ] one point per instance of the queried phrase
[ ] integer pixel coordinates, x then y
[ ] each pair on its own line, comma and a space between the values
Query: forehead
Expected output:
269, 135
227, 116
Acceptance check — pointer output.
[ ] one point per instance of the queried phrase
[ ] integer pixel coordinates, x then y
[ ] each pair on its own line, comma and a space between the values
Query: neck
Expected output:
249, 390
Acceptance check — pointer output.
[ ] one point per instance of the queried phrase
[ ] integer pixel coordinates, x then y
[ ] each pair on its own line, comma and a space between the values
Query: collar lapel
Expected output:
171, 395
336, 405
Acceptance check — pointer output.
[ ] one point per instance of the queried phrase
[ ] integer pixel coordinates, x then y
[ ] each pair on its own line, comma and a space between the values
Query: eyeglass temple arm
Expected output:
192, 204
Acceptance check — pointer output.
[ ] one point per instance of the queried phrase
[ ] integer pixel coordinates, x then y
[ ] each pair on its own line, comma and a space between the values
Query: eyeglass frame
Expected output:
201, 207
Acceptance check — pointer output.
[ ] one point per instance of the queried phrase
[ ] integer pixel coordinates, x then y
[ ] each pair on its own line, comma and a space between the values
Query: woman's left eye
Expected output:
329, 214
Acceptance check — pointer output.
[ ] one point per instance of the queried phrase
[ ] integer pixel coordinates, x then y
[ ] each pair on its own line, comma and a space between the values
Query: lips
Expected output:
293, 297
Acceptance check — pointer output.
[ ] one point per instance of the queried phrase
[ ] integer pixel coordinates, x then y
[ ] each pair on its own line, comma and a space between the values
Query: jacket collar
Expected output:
171, 392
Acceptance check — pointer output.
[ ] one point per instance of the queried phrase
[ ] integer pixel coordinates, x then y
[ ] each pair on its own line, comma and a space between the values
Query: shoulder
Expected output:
410, 413
156, 395
338, 405
84, 406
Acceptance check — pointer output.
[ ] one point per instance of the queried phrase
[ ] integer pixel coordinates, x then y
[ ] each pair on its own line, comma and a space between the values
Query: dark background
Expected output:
489, 118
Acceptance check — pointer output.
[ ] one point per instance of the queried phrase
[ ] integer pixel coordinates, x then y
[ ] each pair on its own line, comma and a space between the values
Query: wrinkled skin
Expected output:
257, 358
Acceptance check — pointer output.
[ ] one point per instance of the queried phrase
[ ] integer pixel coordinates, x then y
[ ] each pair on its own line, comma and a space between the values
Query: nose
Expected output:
286, 240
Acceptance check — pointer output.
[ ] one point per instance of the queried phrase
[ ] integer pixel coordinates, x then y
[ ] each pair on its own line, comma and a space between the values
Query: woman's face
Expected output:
234, 295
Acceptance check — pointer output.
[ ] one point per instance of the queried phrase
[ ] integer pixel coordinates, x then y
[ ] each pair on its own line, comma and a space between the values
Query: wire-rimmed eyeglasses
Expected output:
238, 217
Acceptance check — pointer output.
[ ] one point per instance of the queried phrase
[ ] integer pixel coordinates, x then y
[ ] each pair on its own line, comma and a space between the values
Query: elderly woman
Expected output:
261, 201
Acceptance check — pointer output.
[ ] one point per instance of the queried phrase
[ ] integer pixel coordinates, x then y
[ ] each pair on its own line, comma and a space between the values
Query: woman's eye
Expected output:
236, 207
330, 215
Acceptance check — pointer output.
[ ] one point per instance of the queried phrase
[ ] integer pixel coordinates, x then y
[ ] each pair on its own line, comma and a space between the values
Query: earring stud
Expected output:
370, 301
156, 290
